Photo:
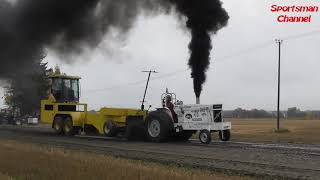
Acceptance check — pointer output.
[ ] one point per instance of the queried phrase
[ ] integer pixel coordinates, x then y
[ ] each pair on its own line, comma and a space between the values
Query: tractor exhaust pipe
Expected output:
198, 100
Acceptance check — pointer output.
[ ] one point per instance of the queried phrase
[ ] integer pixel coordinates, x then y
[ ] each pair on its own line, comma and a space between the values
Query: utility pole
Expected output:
279, 42
145, 91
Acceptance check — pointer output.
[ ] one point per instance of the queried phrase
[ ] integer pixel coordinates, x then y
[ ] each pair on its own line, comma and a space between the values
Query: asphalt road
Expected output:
262, 160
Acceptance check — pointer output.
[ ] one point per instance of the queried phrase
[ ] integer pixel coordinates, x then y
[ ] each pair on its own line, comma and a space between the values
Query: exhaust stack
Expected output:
198, 100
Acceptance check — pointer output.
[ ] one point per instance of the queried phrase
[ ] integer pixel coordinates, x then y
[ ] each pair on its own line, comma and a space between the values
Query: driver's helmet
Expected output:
168, 98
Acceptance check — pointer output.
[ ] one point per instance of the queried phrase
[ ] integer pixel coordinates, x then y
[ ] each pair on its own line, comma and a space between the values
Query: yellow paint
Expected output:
96, 119
50, 109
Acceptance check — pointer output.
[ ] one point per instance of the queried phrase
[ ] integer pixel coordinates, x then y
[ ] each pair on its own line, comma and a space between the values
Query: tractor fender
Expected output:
166, 110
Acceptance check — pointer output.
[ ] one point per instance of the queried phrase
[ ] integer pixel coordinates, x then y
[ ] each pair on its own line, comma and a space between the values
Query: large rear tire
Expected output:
57, 125
159, 126
225, 135
68, 128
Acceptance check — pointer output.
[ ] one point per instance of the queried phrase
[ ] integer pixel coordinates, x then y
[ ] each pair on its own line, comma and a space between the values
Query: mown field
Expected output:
23, 161
263, 130
4, 177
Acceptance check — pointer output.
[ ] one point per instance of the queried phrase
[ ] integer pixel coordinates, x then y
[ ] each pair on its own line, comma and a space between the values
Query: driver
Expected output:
170, 106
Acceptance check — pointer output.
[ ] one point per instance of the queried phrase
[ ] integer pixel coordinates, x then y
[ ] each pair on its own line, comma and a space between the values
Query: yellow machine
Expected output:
179, 122
67, 116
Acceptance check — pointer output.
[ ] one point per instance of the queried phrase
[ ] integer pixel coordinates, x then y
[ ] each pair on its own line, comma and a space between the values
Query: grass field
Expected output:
26, 161
262, 130
5, 177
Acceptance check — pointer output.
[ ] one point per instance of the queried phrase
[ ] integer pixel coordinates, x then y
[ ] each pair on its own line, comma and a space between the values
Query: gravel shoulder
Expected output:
262, 160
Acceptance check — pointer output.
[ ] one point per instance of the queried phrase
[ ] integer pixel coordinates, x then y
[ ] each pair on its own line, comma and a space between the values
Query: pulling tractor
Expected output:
183, 121
67, 116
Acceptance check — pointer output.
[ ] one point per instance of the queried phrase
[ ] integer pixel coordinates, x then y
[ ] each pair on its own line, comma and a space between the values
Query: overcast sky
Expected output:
243, 71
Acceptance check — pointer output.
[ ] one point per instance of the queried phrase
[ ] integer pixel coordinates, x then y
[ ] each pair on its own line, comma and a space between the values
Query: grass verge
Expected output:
24, 161
5, 177
263, 130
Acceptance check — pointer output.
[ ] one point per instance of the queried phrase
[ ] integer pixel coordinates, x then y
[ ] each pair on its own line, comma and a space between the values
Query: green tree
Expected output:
26, 91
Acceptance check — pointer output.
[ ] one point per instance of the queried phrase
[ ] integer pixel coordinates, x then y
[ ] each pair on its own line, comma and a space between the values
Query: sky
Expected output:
243, 70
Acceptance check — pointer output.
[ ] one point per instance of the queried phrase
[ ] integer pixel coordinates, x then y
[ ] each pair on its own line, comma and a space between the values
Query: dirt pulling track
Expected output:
262, 160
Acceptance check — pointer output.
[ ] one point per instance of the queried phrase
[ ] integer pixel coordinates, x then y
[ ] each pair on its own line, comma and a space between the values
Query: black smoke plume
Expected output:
204, 17
28, 27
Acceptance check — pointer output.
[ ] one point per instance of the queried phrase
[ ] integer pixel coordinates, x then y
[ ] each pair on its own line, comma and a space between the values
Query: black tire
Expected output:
159, 126
68, 128
110, 128
135, 130
90, 130
57, 125
225, 135
183, 136
205, 136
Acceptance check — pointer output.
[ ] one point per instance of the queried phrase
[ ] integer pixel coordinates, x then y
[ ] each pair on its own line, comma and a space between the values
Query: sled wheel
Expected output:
68, 128
58, 125
110, 128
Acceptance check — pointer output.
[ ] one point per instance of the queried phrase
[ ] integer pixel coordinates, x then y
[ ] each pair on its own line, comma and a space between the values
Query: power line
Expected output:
268, 43
114, 87
245, 51
239, 53
135, 83
298, 36
169, 74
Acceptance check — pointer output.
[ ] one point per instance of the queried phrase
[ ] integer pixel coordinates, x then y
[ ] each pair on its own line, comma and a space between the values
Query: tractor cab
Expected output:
64, 88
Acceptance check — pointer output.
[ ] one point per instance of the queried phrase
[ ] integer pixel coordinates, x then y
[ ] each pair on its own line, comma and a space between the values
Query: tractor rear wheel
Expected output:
159, 126
225, 135
58, 125
110, 128
68, 128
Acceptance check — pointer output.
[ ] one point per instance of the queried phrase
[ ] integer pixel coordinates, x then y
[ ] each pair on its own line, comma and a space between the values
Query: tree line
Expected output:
23, 95
291, 113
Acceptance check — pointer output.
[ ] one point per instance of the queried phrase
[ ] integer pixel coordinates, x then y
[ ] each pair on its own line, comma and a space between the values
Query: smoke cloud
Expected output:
27, 27
204, 17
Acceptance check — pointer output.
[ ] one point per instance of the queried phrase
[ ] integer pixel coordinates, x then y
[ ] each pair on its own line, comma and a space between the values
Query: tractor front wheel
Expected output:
205, 136
224, 135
